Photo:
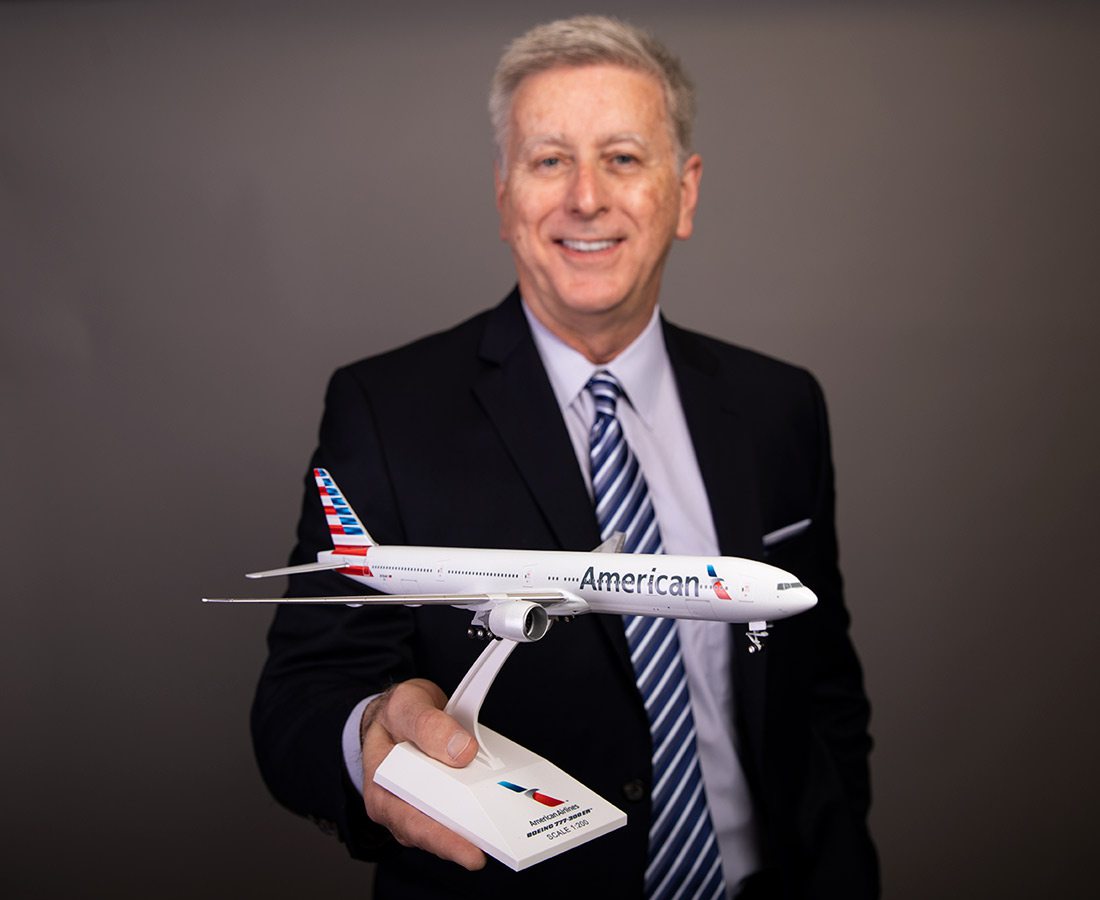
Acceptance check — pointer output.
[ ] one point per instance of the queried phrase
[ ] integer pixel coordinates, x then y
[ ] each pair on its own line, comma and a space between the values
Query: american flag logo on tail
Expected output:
349, 537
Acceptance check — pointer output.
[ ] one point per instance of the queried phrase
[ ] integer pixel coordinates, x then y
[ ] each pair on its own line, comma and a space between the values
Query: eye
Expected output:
549, 162
624, 159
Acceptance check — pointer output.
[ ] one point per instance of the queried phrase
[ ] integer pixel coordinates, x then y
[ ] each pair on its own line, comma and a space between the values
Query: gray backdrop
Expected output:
206, 208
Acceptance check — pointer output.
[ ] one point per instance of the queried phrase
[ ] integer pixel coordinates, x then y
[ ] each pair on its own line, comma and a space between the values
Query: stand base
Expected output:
521, 811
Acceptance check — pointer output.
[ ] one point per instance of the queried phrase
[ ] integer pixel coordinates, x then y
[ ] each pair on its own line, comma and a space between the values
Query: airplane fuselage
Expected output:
721, 588
515, 594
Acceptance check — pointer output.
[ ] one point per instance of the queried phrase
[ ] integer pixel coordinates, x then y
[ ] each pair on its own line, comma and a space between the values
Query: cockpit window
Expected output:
787, 585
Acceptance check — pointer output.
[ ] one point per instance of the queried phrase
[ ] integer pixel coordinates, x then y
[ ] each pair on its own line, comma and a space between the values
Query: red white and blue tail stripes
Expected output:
349, 537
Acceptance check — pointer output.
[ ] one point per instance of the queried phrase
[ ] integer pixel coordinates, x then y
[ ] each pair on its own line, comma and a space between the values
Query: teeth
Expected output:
588, 246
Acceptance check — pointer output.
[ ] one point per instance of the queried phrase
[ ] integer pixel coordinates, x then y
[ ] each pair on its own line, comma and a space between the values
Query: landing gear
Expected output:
756, 634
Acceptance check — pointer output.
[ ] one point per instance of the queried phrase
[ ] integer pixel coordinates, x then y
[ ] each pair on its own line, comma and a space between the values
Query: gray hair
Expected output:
587, 41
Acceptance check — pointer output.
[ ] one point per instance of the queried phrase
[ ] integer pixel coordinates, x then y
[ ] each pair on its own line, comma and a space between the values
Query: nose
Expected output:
587, 193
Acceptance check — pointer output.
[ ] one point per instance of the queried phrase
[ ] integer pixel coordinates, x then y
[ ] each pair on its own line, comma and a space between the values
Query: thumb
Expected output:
414, 712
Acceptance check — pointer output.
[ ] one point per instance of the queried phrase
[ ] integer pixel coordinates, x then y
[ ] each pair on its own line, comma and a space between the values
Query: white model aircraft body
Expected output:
515, 593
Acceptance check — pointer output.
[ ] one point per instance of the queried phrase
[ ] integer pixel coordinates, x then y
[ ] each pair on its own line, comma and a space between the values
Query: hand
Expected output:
413, 711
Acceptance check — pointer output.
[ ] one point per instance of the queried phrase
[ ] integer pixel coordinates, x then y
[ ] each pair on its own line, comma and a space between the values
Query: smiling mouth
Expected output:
589, 246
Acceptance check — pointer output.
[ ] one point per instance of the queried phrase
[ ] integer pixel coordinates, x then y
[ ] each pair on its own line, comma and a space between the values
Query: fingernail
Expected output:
459, 741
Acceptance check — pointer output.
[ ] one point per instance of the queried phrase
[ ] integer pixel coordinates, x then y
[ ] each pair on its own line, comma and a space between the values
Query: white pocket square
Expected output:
787, 531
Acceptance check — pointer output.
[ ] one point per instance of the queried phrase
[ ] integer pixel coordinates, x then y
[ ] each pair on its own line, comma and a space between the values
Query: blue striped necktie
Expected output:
683, 851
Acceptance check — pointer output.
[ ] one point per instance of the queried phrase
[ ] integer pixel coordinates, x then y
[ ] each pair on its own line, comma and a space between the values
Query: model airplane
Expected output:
515, 594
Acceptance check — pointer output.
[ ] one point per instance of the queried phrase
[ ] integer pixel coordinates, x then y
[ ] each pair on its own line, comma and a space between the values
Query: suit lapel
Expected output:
724, 450
516, 396
518, 399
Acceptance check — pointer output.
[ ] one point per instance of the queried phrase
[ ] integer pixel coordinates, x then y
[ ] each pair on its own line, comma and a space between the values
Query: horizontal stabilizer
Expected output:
613, 544
298, 570
788, 531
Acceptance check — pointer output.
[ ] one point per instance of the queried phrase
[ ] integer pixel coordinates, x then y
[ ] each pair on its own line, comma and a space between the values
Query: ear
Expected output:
499, 188
690, 177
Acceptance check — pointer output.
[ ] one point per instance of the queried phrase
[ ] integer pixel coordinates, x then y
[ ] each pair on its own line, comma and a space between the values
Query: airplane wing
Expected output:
556, 603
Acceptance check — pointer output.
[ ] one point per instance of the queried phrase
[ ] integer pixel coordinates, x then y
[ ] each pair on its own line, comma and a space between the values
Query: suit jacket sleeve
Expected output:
840, 709
761, 437
817, 710
323, 660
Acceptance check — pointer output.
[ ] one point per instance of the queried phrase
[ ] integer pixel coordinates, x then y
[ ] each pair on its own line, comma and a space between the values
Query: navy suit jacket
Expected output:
457, 440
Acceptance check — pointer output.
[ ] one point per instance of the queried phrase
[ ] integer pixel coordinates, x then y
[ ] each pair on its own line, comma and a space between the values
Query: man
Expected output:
479, 436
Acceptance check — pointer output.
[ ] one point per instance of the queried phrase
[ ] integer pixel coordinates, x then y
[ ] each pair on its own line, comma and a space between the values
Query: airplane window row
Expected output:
486, 574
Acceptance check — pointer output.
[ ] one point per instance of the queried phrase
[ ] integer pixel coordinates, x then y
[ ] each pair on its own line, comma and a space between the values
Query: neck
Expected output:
599, 338
600, 348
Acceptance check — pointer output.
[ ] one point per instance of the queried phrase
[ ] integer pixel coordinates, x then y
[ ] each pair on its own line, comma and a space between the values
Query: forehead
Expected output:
587, 102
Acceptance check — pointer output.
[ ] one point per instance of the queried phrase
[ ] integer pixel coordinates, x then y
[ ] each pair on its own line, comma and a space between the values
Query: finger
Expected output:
413, 712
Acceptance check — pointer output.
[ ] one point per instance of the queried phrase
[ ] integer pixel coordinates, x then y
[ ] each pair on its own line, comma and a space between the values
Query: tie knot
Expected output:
606, 391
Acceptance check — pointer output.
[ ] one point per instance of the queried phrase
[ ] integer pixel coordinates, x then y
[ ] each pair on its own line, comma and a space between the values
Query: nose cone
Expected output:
801, 599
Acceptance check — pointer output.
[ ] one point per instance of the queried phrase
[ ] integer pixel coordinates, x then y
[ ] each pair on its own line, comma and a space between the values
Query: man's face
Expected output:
592, 198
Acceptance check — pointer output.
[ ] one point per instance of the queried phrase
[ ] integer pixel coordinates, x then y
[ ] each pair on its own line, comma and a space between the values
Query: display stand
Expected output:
513, 804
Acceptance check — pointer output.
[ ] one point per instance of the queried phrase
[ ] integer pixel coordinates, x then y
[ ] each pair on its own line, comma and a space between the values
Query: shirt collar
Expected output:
639, 368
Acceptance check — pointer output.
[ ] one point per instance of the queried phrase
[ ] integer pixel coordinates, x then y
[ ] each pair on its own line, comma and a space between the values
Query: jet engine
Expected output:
518, 620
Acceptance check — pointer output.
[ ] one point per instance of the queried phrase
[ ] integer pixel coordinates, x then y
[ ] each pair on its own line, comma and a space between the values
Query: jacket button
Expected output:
325, 825
634, 790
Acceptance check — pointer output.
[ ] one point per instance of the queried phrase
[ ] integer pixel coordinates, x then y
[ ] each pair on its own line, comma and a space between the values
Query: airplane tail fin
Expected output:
343, 524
